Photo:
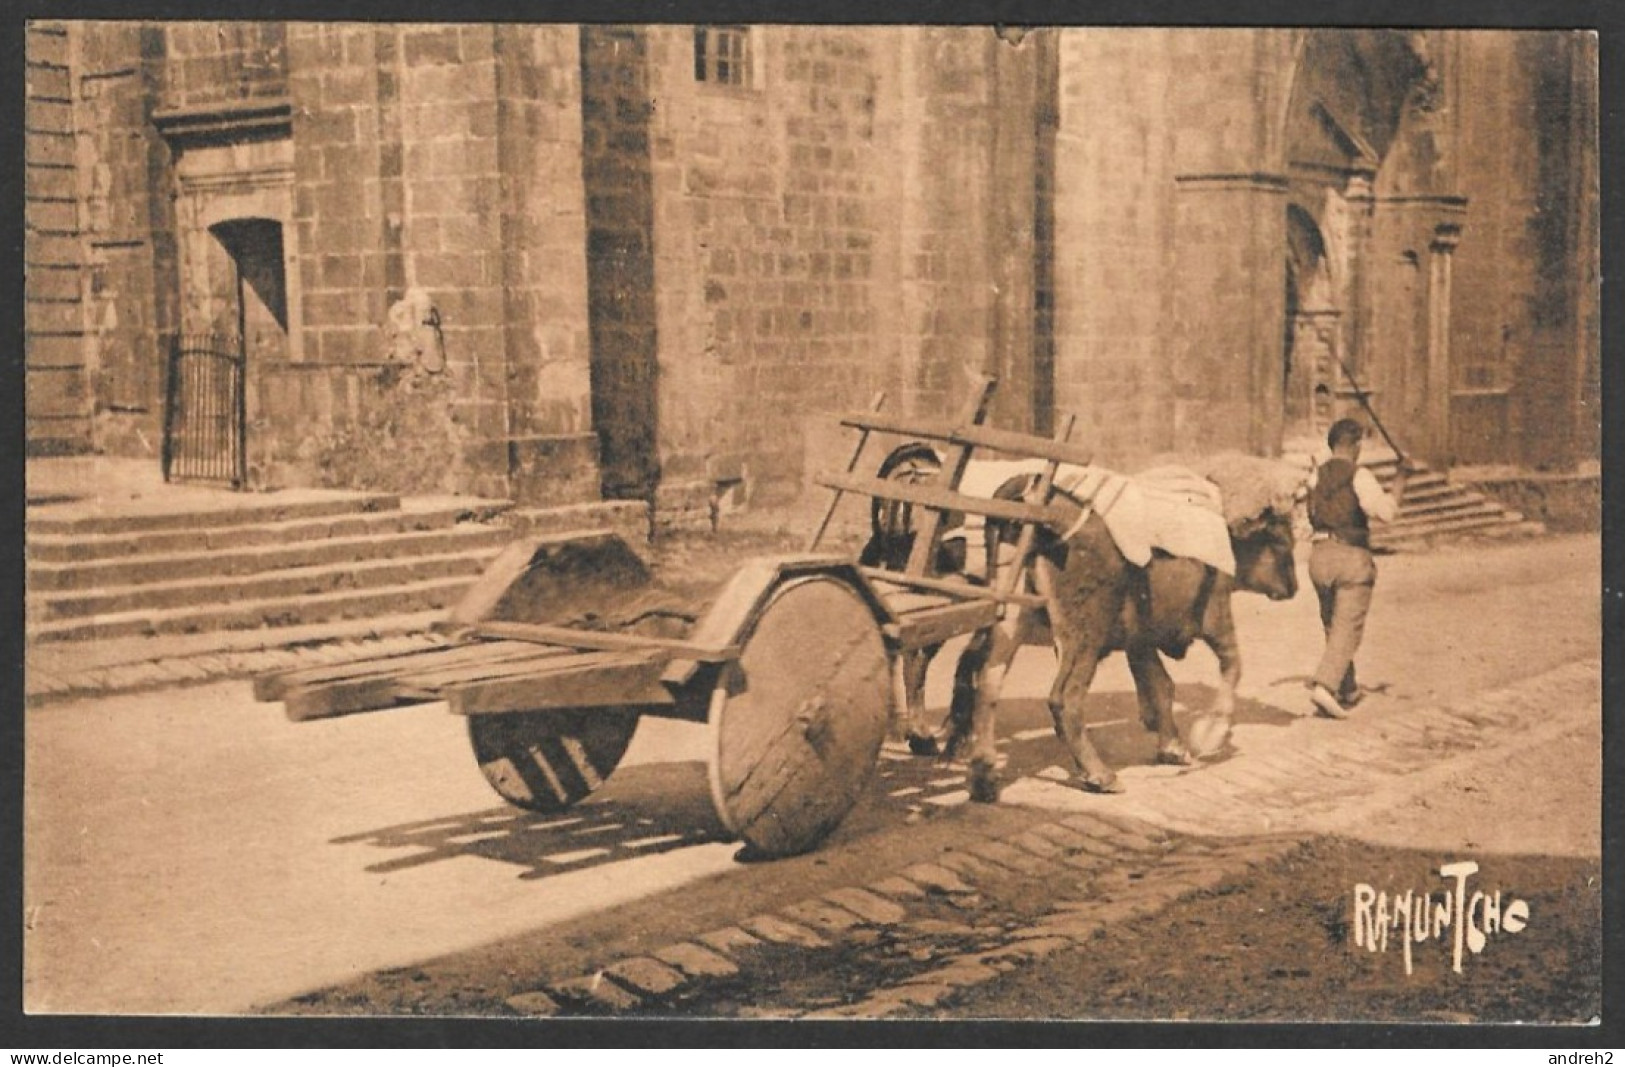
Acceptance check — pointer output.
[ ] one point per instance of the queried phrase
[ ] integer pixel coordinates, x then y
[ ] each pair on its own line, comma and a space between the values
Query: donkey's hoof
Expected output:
984, 791
983, 785
923, 745
1106, 783
1208, 735
1175, 754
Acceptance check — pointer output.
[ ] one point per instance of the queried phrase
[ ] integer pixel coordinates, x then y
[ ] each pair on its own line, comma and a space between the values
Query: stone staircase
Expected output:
1435, 507
321, 559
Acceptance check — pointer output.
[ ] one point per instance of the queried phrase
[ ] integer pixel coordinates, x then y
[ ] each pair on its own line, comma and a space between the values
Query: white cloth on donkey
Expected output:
1168, 508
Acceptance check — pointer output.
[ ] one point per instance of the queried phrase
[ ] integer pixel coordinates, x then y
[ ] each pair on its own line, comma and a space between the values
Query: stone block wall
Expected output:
764, 224
946, 228
349, 416
1229, 89
1526, 271
1114, 228
437, 178
764, 231
58, 357
129, 234
859, 217
216, 62
617, 105
509, 246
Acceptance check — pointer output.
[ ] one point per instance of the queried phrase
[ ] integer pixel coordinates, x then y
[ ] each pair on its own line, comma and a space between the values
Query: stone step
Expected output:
1420, 482
357, 604
1478, 509
82, 519
1433, 491
1507, 522
1442, 506
67, 548
206, 561
290, 584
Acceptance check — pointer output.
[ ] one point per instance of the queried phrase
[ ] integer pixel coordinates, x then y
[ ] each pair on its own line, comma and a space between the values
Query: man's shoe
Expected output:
1326, 704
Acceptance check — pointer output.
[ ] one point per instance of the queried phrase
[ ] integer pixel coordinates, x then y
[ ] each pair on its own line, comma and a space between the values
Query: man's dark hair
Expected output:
1344, 432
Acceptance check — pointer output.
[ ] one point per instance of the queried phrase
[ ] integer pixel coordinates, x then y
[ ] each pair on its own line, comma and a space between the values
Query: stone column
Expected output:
1445, 238
1231, 300
1357, 331
1229, 237
1013, 68
551, 449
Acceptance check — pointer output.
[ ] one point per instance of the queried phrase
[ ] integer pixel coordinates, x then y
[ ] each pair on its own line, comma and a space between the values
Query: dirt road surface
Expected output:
193, 852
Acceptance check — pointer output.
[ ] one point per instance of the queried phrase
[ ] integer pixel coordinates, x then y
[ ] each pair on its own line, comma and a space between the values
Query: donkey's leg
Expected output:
1155, 690
909, 671
1080, 617
967, 683
1066, 700
1211, 731
1219, 634
1004, 640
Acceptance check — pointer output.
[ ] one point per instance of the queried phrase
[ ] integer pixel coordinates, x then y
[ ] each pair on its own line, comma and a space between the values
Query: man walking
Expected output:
1343, 499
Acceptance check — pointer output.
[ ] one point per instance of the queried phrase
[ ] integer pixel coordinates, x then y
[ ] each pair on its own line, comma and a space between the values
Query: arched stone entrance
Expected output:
233, 209
1309, 373
1370, 222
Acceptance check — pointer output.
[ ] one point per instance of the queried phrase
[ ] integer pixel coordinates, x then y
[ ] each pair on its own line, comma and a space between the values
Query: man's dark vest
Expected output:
1333, 506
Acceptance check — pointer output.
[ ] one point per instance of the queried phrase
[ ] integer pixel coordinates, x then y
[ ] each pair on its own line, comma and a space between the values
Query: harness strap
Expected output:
1204, 592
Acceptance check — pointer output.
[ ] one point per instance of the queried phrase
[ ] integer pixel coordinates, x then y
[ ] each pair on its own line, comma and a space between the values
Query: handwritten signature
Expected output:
1416, 917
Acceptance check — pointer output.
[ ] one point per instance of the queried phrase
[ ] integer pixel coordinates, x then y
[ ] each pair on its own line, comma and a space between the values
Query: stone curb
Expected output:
850, 914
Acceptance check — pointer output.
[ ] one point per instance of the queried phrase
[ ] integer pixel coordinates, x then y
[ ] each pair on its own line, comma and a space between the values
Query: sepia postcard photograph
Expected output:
540, 522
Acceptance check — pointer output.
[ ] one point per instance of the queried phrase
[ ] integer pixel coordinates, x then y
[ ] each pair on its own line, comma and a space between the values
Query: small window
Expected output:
722, 55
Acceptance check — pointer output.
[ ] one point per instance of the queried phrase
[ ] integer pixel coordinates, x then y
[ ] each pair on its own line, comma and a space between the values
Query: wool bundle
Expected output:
1249, 486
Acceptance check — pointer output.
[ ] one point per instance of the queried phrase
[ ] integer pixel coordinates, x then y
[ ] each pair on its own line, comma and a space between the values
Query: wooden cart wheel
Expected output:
797, 723
548, 760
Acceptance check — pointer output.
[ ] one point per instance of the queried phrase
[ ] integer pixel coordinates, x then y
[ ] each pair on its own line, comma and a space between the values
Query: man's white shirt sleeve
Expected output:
1373, 498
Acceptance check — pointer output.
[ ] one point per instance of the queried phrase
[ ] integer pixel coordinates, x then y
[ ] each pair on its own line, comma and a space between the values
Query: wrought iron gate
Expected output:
203, 411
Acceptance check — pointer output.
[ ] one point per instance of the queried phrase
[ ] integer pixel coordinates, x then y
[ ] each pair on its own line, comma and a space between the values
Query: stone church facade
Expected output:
558, 263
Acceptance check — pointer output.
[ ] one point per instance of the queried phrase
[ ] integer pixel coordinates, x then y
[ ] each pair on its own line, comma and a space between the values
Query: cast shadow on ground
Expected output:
651, 808
1028, 746
643, 810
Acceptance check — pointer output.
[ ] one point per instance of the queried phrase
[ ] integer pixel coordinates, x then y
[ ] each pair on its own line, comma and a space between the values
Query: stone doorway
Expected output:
255, 297
233, 206
1313, 327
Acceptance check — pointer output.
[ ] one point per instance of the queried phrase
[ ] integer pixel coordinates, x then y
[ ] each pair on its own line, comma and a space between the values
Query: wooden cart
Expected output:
565, 642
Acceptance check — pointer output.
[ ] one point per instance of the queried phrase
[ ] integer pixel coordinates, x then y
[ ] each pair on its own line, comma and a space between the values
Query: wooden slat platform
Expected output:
582, 680
481, 676
927, 618
275, 686
893, 583
926, 626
